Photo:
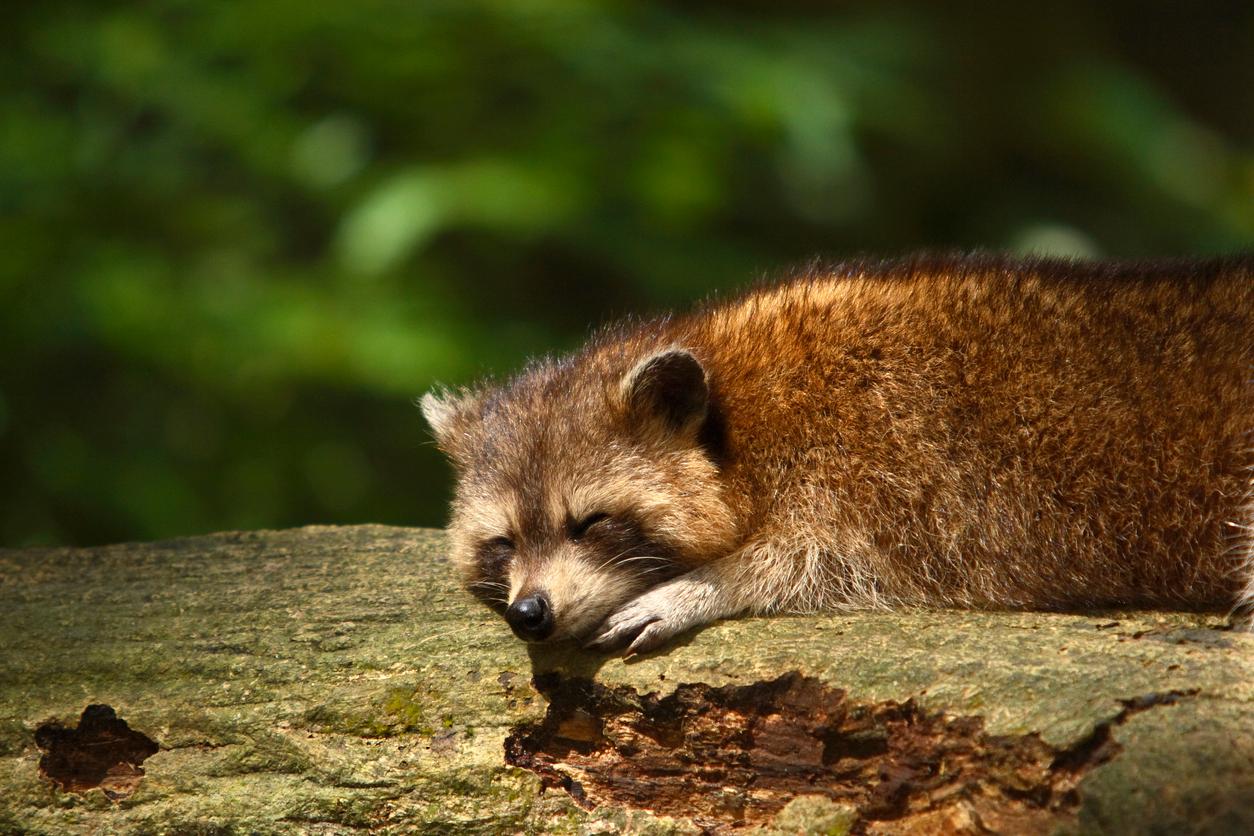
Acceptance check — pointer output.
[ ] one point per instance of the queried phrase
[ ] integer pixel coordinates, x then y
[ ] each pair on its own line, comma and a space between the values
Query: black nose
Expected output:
531, 617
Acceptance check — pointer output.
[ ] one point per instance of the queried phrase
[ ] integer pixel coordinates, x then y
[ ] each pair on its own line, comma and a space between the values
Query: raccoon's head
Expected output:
580, 484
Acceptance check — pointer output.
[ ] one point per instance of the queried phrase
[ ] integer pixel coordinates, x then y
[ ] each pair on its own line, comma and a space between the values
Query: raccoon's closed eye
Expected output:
494, 554
580, 527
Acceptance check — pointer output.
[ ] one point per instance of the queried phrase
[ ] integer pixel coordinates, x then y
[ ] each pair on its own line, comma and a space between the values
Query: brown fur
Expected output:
937, 431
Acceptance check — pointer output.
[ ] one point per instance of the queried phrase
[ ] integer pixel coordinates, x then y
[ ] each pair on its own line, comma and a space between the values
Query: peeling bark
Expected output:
102, 752
733, 757
336, 681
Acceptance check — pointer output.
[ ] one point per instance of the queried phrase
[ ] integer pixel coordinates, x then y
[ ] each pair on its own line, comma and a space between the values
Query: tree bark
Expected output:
333, 680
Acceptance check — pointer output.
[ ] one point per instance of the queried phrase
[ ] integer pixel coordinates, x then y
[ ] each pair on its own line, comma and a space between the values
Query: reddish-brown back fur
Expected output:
1004, 433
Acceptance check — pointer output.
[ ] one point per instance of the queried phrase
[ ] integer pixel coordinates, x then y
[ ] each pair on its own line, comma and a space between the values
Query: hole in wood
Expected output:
103, 752
734, 756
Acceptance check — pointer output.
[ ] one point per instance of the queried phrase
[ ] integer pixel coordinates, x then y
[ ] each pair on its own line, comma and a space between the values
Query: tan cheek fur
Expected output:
478, 515
674, 493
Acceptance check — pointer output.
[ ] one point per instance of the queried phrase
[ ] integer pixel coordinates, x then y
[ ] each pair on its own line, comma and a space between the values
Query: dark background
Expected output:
237, 239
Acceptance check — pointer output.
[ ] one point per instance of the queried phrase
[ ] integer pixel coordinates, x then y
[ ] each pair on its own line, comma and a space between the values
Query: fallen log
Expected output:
334, 680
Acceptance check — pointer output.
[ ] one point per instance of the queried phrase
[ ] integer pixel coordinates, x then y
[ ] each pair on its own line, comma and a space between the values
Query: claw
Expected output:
618, 633
650, 638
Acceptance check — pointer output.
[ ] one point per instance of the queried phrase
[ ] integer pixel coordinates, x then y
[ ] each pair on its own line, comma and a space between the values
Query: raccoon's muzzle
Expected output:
531, 617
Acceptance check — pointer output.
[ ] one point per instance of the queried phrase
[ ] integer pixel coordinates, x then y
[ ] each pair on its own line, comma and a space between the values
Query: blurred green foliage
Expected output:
237, 239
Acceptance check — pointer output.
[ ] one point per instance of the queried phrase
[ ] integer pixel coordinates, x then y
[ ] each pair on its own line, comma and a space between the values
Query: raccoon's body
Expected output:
966, 431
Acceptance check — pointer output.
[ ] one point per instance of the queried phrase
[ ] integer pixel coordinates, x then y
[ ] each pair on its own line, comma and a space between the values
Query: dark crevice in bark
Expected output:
103, 752
732, 757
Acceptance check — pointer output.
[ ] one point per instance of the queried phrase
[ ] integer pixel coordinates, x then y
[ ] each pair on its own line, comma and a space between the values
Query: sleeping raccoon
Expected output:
932, 432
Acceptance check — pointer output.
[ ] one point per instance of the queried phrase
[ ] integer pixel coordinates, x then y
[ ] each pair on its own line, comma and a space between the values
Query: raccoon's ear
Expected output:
445, 411
669, 387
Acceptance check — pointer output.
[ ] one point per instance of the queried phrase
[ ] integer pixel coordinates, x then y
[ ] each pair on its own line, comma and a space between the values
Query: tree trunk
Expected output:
331, 680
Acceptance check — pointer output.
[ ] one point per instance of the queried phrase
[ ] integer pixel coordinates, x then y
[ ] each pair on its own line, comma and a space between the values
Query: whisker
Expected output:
611, 560
491, 591
653, 563
643, 557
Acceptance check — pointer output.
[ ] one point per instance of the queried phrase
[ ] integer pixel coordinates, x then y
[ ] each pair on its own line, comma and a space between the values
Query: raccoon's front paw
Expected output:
658, 615
634, 627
